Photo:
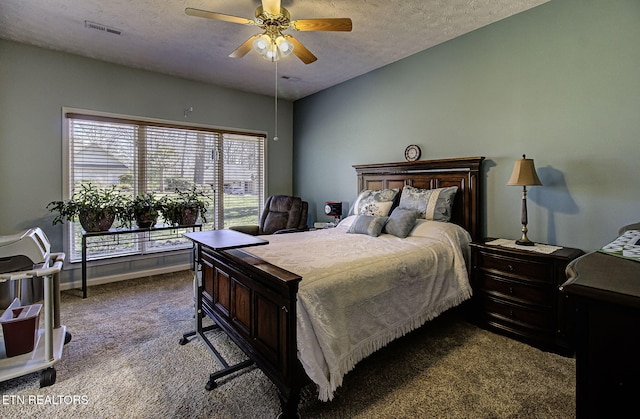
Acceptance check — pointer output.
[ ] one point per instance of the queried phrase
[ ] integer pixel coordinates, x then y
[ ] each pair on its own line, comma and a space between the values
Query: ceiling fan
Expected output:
273, 19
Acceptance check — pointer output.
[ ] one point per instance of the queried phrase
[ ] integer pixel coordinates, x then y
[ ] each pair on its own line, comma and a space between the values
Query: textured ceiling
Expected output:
157, 35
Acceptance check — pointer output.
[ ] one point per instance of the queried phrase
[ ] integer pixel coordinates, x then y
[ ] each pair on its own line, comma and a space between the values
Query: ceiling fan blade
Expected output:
243, 49
271, 6
330, 24
218, 16
301, 51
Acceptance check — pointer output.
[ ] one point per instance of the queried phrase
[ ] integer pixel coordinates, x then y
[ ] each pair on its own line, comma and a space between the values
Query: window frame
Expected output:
216, 213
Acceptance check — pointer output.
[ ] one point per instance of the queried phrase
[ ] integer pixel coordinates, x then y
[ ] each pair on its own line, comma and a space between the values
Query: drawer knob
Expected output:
510, 313
511, 268
510, 290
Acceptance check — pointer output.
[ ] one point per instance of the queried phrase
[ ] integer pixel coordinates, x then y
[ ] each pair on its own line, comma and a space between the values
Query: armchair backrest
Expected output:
282, 212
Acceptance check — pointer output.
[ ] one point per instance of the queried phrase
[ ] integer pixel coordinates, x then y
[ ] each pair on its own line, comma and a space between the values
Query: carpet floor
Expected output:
124, 361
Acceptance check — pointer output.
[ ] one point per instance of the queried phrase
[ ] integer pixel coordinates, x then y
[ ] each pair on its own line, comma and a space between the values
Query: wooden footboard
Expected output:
254, 302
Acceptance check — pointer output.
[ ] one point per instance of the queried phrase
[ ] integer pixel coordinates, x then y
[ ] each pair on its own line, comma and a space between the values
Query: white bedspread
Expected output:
359, 293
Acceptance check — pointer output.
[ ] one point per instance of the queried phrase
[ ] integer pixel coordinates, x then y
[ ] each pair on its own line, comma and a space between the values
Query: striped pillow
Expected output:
368, 224
431, 204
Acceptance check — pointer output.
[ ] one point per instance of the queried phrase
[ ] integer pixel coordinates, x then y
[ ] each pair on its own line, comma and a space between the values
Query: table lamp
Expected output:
333, 209
524, 174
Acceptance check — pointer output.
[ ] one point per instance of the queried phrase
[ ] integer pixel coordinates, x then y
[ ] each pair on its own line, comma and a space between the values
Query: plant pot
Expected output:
181, 214
146, 219
93, 221
189, 216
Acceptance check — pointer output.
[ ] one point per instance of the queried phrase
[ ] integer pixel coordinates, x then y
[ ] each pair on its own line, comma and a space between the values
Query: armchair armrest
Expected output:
288, 230
635, 226
247, 229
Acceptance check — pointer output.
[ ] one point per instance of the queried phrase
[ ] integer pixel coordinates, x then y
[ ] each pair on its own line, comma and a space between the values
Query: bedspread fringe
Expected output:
325, 393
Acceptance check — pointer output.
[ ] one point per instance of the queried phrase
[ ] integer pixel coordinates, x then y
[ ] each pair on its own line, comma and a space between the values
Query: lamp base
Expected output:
526, 242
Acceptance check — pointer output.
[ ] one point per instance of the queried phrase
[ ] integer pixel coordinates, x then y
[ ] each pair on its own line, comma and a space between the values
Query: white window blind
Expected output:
142, 156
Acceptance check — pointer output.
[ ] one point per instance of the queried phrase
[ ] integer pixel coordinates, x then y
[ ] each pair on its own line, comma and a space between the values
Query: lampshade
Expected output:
524, 173
261, 44
333, 208
272, 53
285, 47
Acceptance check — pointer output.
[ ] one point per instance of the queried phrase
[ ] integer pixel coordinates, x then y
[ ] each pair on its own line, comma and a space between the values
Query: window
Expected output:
151, 156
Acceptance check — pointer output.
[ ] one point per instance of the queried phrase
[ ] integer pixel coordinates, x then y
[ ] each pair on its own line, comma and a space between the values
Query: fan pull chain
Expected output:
275, 137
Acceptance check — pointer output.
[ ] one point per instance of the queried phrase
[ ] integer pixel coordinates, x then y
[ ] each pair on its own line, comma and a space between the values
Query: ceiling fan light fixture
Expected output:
272, 53
285, 47
273, 19
261, 44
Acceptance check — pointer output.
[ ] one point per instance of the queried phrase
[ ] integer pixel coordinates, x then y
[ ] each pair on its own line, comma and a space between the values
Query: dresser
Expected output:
516, 293
604, 291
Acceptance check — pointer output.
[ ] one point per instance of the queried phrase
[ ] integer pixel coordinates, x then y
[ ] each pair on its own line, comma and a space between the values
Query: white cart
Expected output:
51, 339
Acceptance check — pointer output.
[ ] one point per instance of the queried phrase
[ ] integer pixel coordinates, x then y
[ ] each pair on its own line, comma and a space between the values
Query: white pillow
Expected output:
439, 231
377, 203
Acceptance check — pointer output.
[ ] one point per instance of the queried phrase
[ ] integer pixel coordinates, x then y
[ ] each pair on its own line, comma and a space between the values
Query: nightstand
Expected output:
515, 292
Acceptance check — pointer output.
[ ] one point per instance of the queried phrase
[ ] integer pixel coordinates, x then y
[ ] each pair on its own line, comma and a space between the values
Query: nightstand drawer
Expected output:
513, 266
513, 313
514, 290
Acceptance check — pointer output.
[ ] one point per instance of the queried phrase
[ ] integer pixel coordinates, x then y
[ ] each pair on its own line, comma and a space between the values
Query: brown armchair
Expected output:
282, 214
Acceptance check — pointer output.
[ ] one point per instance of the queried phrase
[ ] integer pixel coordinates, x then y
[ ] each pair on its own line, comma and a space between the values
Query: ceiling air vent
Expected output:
101, 27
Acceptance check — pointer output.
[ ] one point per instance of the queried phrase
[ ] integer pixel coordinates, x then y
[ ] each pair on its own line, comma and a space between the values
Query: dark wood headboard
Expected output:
430, 174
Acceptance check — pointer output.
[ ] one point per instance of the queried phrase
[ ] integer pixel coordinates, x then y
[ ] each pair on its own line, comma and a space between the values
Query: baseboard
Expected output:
128, 275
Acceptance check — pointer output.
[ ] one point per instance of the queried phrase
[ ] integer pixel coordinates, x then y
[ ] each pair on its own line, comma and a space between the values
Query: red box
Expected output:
20, 328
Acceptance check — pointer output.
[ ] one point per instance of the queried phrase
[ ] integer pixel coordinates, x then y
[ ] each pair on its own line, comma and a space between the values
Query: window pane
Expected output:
243, 185
178, 159
100, 154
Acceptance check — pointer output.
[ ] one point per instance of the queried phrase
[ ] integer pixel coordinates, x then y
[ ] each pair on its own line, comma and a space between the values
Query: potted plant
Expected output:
96, 208
144, 210
184, 207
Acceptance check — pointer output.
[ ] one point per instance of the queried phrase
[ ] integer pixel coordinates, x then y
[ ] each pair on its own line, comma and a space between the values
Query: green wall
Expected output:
560, 82
36, 83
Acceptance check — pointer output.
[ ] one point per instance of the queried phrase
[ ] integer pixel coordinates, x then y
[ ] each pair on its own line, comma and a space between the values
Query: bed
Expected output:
309, 306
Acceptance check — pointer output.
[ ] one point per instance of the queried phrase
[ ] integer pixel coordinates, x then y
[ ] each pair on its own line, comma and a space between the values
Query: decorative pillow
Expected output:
401, 222
374, 202
368, 224
431, 204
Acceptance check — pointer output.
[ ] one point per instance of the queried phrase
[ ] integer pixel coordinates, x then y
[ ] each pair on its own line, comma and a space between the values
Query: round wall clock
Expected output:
412, 153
